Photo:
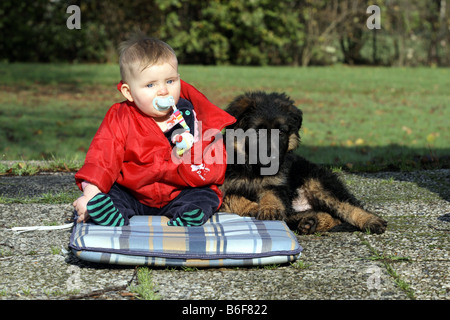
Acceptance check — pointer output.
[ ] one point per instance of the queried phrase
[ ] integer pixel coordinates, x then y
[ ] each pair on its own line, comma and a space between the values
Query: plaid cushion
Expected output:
225, 240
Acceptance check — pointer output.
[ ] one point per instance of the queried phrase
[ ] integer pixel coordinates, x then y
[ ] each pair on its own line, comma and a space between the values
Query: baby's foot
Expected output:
188, 219
103, 212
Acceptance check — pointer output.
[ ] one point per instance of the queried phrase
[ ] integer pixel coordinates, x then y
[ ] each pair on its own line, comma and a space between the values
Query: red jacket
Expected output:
129, 148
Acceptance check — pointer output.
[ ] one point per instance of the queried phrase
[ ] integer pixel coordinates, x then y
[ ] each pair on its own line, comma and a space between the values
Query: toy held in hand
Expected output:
178, 118
183, 142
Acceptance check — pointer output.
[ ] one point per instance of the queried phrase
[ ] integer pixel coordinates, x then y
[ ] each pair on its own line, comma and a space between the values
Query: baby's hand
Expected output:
80, 206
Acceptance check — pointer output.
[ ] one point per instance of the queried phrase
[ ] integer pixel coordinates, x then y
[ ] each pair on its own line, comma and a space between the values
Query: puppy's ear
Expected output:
296, 117
239, 105
287, 105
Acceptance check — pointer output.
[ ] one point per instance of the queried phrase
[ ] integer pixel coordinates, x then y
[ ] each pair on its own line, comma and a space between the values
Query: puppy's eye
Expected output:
284, 129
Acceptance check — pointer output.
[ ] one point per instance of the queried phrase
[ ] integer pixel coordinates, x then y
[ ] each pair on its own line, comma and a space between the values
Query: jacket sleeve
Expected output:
205, 163
106, 152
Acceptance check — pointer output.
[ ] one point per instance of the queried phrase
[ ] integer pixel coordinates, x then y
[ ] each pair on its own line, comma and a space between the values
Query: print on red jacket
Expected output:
129, 148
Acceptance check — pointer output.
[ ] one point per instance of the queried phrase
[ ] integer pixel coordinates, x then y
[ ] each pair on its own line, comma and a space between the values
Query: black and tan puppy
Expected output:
267, 180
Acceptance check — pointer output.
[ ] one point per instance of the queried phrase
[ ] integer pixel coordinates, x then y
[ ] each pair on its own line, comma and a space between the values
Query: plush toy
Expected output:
183, 141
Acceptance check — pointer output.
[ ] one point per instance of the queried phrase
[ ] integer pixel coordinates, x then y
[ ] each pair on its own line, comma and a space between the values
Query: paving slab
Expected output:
409, 261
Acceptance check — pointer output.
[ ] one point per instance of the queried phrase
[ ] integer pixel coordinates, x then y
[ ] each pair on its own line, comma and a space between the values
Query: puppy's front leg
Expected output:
310, 221
318, 196
271, 207
239, 205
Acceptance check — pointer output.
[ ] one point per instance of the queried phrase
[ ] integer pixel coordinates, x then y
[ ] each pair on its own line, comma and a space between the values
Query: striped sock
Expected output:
188, 219
103, 212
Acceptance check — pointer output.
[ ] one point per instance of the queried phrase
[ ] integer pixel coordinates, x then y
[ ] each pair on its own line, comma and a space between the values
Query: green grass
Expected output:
47, 198
353, 117
387, 262
145, 289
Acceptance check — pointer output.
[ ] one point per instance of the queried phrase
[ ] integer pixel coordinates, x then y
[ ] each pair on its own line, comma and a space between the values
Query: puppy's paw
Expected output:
307, 224
311, 221
271, 208
270, 213
240, 206
375, 225
251, 209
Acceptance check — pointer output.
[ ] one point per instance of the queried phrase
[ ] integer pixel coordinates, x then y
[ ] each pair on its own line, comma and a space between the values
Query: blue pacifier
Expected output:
163, 104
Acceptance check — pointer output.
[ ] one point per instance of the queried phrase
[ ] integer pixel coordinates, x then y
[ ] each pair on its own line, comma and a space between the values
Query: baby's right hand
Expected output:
80, 206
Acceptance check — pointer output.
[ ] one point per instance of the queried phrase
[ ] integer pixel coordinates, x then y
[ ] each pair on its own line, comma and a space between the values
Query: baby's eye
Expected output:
170, 81
150, 85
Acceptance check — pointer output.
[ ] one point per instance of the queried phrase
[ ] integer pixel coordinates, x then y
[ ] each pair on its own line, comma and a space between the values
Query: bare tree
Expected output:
321, 20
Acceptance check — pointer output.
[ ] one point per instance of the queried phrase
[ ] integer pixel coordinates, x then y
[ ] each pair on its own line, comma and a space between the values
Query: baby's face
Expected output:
159, 80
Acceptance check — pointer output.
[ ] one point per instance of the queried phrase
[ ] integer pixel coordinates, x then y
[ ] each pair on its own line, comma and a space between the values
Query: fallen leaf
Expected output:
407, 130
432, 137
127, 294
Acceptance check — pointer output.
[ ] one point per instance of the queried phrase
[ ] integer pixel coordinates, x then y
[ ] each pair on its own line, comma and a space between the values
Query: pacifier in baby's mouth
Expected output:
163, 104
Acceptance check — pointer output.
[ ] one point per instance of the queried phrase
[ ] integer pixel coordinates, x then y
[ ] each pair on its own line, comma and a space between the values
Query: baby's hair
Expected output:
140, 52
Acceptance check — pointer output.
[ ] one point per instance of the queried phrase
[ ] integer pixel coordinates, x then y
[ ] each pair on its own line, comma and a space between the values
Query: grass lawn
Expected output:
359, 117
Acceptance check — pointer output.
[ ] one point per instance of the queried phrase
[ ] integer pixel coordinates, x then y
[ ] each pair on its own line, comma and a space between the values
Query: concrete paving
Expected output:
410, 261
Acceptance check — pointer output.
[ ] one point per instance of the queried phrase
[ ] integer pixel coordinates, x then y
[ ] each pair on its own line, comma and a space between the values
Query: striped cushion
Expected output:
225, 240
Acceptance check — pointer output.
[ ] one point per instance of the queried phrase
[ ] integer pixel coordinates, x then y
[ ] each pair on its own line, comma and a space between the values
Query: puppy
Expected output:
265, 179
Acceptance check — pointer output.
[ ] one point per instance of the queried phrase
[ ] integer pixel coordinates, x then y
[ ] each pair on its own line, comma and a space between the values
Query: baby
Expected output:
132, 167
